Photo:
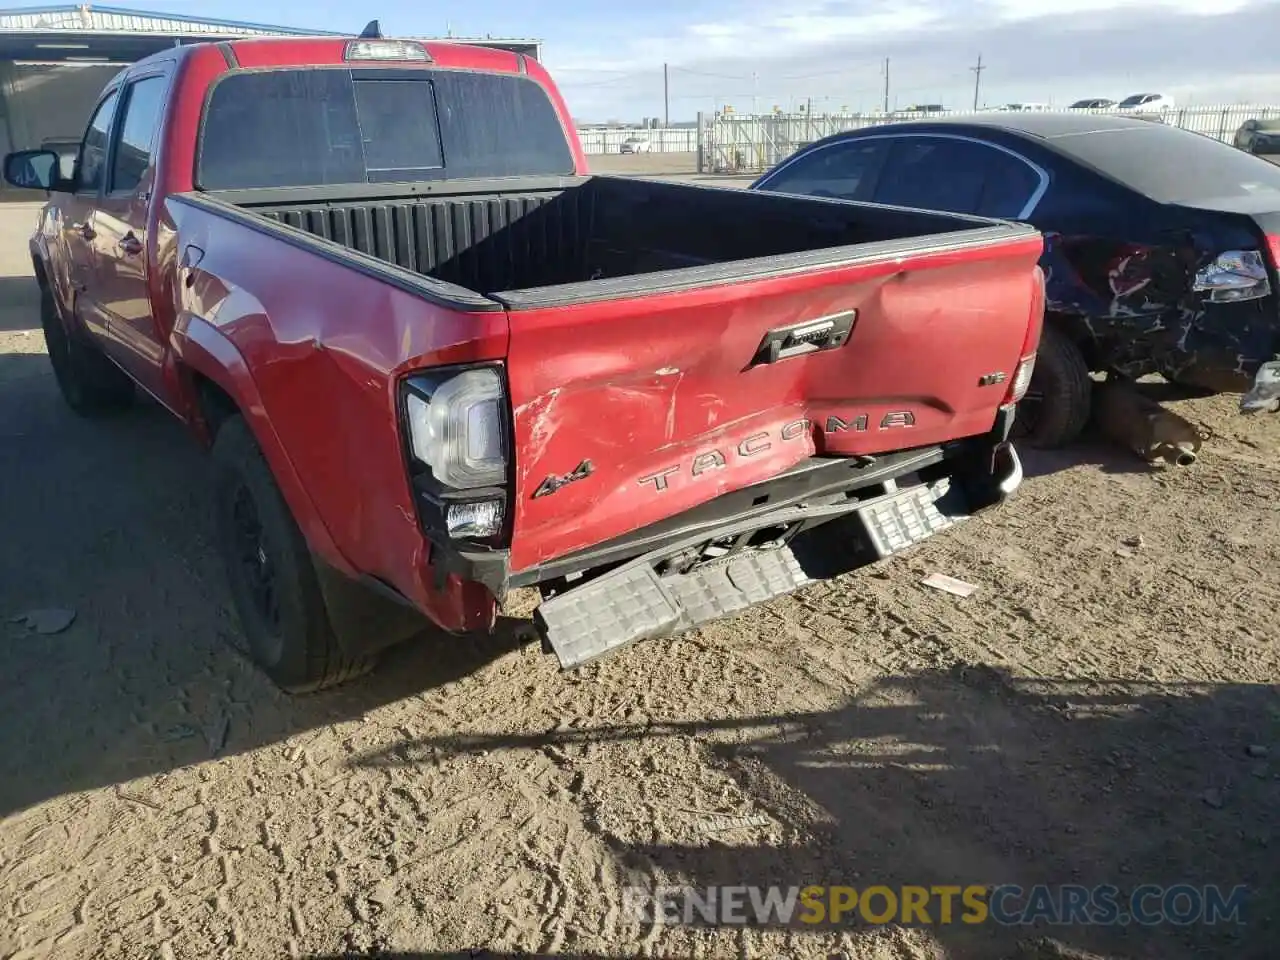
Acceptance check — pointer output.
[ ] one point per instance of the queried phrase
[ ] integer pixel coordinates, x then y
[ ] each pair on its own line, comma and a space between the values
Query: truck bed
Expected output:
512, 244
672, 342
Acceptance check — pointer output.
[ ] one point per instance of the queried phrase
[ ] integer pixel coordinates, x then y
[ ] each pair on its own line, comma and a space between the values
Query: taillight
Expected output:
1030, 343
457, 436
1235, 275
1021, 379
1273, 249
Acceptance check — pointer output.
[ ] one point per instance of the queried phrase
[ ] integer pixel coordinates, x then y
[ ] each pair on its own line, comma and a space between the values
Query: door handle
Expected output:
809, 336
83, 229
130, 245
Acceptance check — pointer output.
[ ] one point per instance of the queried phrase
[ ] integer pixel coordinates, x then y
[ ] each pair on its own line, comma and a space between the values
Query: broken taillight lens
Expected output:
1233, 276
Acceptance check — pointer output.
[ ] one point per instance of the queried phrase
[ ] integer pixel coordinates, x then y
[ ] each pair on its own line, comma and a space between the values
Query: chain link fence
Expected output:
727, 143
596, 141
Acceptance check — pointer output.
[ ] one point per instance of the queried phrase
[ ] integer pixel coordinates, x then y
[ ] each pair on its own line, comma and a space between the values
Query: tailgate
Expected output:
634, 408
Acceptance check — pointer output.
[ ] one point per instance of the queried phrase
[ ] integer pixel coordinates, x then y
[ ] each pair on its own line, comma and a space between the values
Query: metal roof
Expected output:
83, 32
87, 18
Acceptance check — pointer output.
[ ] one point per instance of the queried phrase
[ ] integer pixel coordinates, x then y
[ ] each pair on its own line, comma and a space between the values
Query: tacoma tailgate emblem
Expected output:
553, 483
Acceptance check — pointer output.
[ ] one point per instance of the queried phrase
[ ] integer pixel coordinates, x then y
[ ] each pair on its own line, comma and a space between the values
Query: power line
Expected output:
705, 73
589, 70
626, 78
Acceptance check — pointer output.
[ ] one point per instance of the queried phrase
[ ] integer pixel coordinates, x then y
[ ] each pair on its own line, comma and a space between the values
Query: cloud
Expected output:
833, 52
763, 30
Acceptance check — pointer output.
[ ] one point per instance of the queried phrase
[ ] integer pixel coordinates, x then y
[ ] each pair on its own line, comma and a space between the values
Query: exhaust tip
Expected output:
1185, 459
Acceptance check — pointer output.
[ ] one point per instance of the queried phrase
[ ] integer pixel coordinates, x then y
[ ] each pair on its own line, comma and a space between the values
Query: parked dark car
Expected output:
1261, 137
1094, 103
1161, 245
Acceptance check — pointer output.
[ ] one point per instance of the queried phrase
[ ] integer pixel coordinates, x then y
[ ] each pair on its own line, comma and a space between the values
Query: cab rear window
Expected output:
317, 127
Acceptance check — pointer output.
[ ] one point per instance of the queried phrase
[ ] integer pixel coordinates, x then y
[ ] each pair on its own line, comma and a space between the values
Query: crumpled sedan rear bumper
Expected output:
1264, 397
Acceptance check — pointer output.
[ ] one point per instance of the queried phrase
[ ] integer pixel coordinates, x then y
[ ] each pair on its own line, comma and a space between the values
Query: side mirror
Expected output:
67, 166
34, 170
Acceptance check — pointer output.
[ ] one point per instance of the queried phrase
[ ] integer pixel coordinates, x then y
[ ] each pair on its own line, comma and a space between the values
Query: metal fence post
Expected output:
702, 143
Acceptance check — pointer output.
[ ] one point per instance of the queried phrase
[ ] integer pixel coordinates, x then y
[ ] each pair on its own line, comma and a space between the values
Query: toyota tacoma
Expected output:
435, 359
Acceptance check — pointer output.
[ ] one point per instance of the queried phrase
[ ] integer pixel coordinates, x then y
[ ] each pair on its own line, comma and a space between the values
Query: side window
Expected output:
92, 162
933, 173
1010, 184
840, 171
144, 100
955, 176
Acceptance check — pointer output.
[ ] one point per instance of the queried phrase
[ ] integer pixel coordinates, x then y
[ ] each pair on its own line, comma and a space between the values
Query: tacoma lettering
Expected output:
759, 443
836, 425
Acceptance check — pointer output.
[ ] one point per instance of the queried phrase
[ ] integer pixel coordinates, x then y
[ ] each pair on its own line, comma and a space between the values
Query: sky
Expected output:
608, 59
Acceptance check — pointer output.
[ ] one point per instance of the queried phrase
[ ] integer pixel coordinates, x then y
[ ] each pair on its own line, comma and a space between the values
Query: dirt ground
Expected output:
1104, 709
644, 164
668, 166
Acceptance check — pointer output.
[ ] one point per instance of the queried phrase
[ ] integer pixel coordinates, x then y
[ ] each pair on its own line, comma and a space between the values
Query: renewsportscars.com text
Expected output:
1006, 904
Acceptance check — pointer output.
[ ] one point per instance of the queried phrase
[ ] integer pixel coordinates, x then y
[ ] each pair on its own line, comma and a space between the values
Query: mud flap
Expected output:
366, 617
634, 603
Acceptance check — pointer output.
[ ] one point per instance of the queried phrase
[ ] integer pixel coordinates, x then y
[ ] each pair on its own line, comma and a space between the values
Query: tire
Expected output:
1056, 407
269, 568
90, 384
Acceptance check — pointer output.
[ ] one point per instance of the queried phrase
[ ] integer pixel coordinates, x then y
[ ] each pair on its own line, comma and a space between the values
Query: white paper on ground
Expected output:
940, 581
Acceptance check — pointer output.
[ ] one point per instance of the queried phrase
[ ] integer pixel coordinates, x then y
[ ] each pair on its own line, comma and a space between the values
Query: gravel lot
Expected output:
1105, 709
668, 166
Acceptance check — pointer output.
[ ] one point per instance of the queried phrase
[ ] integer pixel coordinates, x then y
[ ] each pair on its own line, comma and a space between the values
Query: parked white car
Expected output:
635, 145
1146, 101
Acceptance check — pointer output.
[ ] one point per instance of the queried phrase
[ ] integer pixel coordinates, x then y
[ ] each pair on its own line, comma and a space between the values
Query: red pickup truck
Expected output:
436, 360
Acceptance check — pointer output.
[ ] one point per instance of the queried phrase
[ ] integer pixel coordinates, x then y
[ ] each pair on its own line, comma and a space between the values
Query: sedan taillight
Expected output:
1273, 250
1233, 276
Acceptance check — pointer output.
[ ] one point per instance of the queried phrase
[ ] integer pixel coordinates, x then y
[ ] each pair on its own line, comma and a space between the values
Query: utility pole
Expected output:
886, 85
977, 80
666, 98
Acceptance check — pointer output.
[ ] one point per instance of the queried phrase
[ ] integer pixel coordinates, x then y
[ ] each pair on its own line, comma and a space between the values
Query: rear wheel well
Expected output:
1077, 331
215, 404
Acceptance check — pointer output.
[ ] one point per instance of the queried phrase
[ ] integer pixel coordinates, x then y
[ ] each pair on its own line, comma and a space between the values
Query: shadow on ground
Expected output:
968, 776
1090, 449
477, 954
109, 518
21, 304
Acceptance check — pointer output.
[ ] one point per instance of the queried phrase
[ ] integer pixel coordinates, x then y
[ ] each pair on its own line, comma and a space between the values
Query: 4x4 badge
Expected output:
554, 483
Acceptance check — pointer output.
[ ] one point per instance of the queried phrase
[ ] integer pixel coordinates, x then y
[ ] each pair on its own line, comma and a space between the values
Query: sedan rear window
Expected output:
315, 127
1190, 166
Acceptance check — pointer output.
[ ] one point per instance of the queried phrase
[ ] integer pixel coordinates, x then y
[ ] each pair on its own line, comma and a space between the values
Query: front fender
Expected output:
203, 349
